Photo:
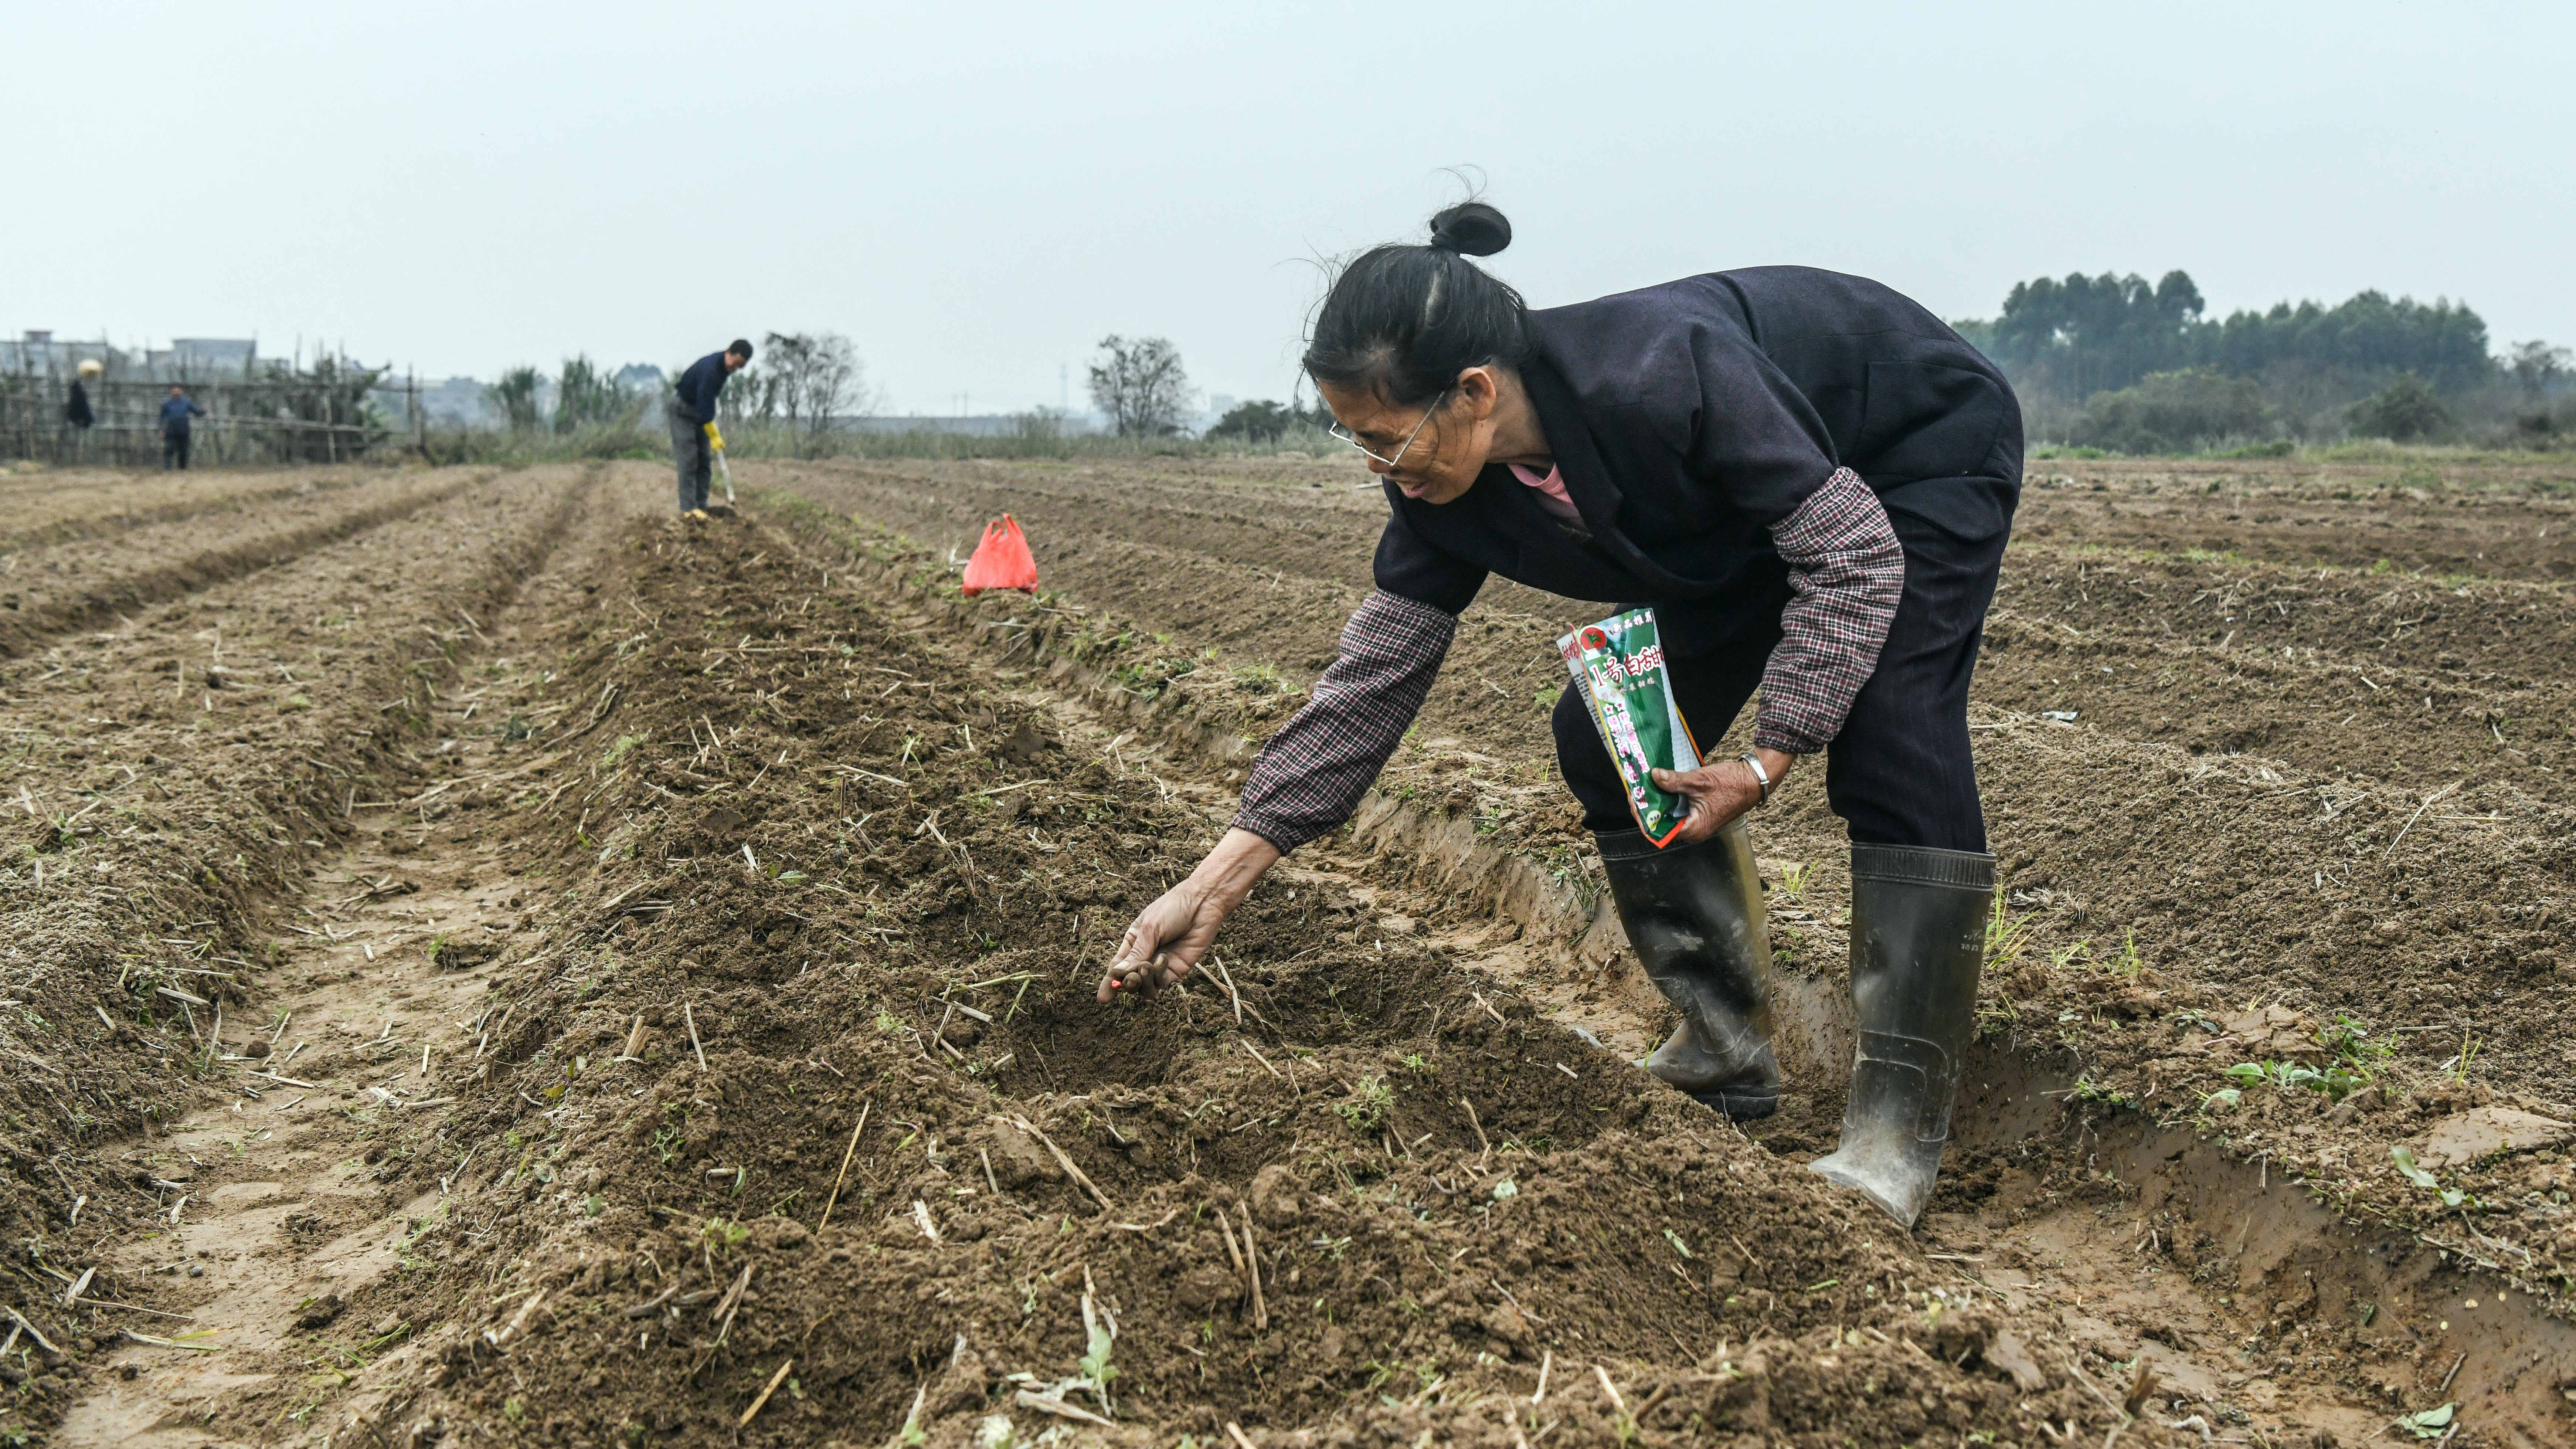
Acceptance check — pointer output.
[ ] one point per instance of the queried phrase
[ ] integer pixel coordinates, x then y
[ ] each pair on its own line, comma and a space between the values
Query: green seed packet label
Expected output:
1618, 664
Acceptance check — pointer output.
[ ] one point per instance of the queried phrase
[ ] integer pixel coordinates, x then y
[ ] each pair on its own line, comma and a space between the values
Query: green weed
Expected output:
2007, 936
2336, 1081
1366, 1109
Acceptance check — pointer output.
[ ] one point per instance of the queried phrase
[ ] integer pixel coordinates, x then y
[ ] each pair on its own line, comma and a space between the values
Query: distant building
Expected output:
456, 402
643, 377
38, 352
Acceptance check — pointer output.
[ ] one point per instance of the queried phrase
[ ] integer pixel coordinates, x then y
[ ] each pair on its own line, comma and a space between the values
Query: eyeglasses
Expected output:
1347, 436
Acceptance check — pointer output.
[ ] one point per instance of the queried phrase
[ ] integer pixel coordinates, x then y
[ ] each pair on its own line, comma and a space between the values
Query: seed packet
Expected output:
1619, 665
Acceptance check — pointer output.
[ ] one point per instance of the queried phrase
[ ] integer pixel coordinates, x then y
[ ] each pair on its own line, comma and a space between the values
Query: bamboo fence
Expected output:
328, 411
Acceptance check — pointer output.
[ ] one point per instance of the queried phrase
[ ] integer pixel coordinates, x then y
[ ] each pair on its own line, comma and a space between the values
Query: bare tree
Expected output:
818, 377
749, 396
1140, 384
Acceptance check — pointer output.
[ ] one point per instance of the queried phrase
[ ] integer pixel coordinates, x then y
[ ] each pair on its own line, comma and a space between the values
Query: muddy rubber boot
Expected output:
1918, 925
1694, 915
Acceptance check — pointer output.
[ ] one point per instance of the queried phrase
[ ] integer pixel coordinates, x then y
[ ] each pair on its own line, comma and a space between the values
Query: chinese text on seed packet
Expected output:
1619, 665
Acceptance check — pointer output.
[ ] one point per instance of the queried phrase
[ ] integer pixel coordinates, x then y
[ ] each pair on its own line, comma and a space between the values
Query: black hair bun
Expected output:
1471, 228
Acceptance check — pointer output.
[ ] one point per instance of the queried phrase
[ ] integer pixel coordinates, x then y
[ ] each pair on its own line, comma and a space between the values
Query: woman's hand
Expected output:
1720, 791
1170, 936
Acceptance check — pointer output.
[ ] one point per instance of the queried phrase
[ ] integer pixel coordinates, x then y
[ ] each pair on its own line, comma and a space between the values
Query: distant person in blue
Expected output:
176, 409
693, 422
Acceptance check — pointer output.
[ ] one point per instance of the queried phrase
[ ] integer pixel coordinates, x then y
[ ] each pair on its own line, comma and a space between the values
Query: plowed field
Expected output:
493, 962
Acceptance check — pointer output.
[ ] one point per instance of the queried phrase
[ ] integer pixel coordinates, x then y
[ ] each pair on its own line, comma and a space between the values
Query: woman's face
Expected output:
1439, 462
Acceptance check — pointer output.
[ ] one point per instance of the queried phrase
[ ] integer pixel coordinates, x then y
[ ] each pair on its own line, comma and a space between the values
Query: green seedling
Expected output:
2354, 1048
2088, 1090
2458, 1066
1366, 1109
1100, 1333
2408, 1169
723, 1236
1795, 877
2066, 956
2336, 1081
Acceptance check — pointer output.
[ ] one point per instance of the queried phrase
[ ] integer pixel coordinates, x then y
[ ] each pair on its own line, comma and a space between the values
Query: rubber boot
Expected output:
1694, 915
1918, 925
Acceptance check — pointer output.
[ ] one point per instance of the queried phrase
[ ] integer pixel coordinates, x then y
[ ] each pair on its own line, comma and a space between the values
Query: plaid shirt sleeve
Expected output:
1846, 572
1315, 770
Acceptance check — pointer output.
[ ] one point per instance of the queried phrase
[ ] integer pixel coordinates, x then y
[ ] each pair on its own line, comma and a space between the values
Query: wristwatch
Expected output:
1761, 776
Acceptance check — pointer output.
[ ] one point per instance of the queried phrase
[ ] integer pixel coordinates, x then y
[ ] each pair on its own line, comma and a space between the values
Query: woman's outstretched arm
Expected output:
1307, 780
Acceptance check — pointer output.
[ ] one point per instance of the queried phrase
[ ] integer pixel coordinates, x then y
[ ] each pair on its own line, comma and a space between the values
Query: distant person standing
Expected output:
176, 410
693, 422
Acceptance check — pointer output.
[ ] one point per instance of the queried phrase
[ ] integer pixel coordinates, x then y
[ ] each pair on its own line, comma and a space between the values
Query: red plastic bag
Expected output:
1002, 560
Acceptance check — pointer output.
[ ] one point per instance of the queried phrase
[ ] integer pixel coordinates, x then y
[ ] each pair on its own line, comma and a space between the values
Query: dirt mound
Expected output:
2389, 878
733, 854
172, 776
841, 894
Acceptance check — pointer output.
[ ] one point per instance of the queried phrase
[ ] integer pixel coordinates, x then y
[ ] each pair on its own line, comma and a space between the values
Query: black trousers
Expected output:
1900, 772
174, 450
692, 454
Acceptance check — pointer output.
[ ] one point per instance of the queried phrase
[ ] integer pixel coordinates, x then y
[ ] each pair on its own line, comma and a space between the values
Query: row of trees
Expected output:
2083, 335
798, 383
2117, 362
1140, 386
586, 395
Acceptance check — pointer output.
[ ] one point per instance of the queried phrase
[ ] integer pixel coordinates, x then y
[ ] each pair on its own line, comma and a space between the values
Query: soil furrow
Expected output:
69, 586
60, 507
162, 819
752, 871
280, 1265
807, 869
2236, 878
2489, 519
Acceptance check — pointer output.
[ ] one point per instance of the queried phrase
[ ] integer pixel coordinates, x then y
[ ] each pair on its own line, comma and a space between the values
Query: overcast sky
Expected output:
976, 193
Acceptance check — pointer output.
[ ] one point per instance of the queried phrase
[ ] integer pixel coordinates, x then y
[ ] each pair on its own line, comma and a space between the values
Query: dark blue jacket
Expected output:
699, 385
1688, 418
175, 412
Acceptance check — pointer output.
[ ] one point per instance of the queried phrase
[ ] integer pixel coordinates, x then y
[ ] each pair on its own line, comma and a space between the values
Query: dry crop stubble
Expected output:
92, 579
846, 875
59, 505
161, 819
2417, 896
809, 847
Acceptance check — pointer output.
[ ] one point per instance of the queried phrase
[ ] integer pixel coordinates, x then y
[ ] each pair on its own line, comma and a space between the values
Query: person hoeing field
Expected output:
692, 411
1809, 478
